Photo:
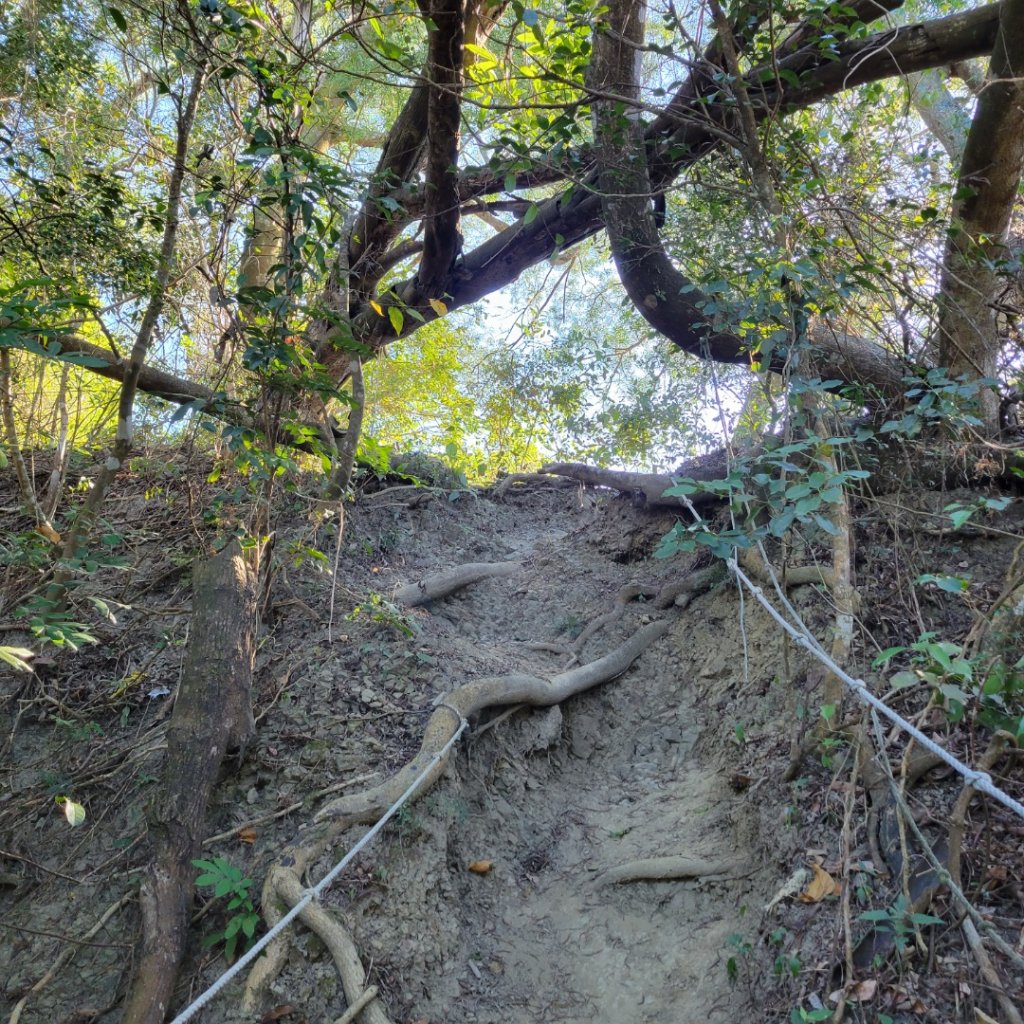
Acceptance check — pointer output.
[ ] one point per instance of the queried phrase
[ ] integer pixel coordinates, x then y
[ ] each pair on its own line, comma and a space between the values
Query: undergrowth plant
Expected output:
243, 918
958, 680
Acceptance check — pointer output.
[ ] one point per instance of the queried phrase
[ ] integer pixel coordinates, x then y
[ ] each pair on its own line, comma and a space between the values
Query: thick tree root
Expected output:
651, 485
661, 869
433, 587
340, 946
526, 481
283, 880
678, 593
212, 713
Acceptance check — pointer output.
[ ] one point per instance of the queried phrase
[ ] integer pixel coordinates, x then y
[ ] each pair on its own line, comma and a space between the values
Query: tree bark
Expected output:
212, 713
990, 175
442, 240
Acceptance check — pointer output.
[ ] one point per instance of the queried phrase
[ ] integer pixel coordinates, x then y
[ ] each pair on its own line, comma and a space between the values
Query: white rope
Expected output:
981, 781
311, 894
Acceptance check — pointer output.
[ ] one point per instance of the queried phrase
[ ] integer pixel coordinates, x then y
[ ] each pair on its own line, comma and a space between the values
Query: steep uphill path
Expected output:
563, 811
571, 806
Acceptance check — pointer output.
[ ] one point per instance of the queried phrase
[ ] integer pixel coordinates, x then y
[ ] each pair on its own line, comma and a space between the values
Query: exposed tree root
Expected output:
526, 481
794, 576
678, 593
651, 485
340, 946
661, 869
212, 713
626, 594
693, 584
445, 583
284, 877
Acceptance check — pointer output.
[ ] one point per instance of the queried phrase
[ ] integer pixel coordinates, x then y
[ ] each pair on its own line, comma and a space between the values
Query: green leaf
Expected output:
903, 679
17, 658
887, 655
397, 318
118, 18
950, 584
531, 214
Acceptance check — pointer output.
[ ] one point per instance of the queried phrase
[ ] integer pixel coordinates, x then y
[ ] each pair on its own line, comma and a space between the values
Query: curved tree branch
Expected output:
990, 175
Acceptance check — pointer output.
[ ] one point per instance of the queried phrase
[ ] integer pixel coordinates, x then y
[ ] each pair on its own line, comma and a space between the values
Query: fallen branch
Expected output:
65, 956
662, 869
356, 1008
445, 583
212, 713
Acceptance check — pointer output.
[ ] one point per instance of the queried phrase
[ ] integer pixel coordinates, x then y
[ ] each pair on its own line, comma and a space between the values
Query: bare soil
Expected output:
683, 755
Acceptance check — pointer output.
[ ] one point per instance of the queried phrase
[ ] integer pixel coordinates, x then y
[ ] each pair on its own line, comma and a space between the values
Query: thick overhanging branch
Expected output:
380, 219
677, 139
159, 383
576, 214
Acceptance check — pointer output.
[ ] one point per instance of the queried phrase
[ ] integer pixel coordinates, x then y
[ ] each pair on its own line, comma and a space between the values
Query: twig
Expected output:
65, 956
357, 1007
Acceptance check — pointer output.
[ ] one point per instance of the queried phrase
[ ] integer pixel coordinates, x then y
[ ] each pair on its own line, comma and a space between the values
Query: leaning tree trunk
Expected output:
990, 174
212, 714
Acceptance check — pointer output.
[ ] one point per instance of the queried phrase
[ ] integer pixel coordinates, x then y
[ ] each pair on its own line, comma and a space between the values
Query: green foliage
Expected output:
48, 620
960, 681
792, 484
242, 917
17, 658
899, 920
378, 609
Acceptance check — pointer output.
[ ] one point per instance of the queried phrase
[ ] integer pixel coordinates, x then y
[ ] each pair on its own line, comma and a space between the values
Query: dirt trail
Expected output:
555, 798
637, 768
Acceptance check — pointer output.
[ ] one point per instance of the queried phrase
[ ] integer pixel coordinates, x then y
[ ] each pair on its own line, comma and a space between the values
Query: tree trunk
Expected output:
212, 713
990, 174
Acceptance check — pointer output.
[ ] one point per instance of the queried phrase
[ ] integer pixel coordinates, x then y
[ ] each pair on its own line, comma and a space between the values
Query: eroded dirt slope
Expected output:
682, 756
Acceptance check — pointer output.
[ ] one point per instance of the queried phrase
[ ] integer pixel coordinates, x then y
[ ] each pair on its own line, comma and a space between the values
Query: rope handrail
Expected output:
981, 781
311, 894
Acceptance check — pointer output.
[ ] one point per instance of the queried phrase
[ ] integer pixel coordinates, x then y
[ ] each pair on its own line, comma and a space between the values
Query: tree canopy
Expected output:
236, 207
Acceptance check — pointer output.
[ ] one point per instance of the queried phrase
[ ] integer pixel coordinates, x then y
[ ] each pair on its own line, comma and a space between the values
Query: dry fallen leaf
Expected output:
247, 835
863, 992
48, 532
820, 886
481, 867
277, 1013
859, 992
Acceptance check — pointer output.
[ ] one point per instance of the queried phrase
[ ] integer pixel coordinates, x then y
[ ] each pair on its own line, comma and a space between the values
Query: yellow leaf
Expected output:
820, 886
376, 307
481, 867
438, 307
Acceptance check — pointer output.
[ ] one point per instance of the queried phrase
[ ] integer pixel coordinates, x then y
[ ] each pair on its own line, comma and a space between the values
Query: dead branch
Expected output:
662, 869
64, 957
433, 587
213, 712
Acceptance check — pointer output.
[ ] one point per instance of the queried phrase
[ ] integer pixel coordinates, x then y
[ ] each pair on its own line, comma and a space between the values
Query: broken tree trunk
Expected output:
212, 714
